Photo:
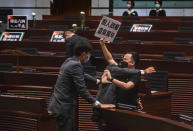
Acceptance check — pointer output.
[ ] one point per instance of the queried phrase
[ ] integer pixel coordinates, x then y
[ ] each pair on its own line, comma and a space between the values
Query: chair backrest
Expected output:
130, 19
179, 40
98, 53
125, 28
158, 81
58, 27
31, 51
39, 38
172, 55
6, 67
134, 41
118, 40
91, 70
185, 29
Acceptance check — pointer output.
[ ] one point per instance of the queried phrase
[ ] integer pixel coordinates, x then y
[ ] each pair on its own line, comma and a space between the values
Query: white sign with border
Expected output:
107, 28
16, 22
11, 36
141, 28
58, 36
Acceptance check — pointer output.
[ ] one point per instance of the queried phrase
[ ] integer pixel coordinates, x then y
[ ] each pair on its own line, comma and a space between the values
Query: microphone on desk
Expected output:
128, 107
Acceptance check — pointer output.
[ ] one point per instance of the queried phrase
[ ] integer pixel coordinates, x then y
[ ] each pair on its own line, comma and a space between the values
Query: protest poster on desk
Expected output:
58, 36
11, 36
16, 22
107, 28
141, 28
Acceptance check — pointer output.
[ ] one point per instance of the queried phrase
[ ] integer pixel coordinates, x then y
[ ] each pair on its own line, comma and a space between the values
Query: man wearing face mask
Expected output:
130, 11
125, 80
157, 11
119, 82
70, 83
70, 42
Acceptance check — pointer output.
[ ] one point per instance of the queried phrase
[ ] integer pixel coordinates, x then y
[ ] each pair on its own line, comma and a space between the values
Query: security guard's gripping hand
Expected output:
107, 106
150, 70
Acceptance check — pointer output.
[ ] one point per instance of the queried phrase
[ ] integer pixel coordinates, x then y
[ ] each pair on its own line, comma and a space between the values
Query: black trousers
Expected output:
64, 123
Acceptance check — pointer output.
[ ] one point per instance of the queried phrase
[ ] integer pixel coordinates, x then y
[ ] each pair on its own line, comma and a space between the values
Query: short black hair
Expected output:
160, 2
135, 57
82, 45
132, 3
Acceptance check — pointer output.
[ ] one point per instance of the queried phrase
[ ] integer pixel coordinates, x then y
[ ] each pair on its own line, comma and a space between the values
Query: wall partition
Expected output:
26, 7
172, 7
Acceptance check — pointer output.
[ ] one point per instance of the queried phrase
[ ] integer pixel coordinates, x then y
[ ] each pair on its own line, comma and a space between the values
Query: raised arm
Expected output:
106, 52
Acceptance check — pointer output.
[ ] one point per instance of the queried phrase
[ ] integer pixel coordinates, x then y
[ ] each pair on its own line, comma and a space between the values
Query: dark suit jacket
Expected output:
159, 13
70, 83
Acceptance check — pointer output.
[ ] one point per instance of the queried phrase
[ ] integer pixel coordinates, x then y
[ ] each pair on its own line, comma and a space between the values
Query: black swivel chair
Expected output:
6, 67
158, 81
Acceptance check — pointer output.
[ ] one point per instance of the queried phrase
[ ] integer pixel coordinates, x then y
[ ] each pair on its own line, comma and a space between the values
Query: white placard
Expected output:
58, 36
141, 28
107, 28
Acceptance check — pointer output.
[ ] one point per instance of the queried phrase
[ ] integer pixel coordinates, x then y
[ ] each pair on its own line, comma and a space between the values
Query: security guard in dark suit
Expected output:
70, 83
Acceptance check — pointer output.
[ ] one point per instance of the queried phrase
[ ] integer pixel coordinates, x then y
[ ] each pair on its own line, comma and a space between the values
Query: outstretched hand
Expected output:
150, 70
106, 106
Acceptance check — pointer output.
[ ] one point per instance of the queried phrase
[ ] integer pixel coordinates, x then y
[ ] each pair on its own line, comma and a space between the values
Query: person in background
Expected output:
157, 11
70, 40
130, 11
71, 83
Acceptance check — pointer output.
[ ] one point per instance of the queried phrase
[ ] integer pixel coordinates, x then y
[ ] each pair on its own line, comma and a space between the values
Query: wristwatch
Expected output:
111, 80
96, 104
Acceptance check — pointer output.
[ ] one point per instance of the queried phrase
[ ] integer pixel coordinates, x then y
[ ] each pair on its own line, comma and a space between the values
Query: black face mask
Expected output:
123, 64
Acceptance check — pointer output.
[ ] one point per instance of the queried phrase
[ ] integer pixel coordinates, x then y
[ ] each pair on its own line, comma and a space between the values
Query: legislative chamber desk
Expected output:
143, 36
38, 86
19, 113
126, 25
138, 18
145, 47
125, 120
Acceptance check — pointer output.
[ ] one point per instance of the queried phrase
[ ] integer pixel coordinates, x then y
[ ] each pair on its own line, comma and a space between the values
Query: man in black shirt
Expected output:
157, 11
126, 87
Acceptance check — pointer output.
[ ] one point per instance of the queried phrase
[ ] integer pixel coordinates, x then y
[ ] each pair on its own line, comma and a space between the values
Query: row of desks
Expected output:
120, 18
143, 48
157, 25
54, 62
123, 36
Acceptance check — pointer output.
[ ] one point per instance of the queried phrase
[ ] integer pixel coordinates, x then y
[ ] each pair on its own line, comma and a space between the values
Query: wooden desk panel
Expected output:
141, 18
143, 49
56, 61
123, 120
